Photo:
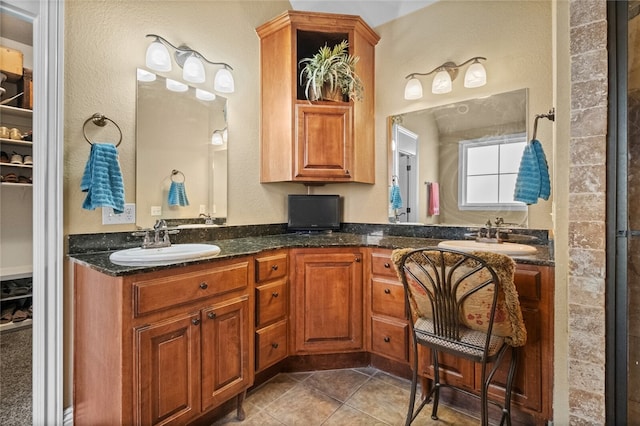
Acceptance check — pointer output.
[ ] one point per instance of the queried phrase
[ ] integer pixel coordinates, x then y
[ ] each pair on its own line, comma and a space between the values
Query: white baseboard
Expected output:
67, 418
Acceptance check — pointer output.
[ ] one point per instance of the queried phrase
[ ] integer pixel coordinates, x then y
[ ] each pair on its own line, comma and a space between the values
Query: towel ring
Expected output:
100, 121
177, 172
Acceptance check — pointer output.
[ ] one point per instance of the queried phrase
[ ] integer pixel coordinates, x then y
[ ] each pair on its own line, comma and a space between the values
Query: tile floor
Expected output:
359, 396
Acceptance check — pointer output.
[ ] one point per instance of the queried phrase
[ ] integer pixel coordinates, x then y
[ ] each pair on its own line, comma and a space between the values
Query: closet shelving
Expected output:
20, 118
21, 299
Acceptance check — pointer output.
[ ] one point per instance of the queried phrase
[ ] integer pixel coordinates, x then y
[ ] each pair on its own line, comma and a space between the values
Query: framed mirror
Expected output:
456, 164
181, 137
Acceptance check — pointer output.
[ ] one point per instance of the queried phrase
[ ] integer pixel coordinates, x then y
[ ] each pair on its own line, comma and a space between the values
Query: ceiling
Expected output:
374, 12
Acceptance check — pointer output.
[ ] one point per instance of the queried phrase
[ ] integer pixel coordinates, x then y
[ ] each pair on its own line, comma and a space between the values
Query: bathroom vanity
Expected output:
169, 344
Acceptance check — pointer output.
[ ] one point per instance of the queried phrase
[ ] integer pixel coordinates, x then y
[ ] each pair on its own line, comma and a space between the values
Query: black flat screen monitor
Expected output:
314, 213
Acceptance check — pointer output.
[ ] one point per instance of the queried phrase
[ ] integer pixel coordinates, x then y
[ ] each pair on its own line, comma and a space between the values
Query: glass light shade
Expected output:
144, 75
193, 70
216, 138
475, 76
224, 81
176, 86
413, 89
441, 83
203, 95
158, 58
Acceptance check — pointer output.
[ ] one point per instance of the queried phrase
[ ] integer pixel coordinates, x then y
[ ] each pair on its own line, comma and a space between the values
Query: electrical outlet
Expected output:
127, 216
156, 210
203, 209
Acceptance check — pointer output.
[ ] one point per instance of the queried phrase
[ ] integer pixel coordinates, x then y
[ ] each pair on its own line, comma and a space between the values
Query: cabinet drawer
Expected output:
387, 298
271, 344
528, 281
381, 264
271, 267
390, 338
271, 302
162, 293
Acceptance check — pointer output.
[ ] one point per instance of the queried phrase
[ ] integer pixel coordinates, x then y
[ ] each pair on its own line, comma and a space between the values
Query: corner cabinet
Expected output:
163, 347
320, 141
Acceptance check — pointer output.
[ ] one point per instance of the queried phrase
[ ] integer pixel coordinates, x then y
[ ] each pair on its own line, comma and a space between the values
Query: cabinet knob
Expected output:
346, 172
387, 291
274, 267
275, 294
211, 315
357, 260
274, 345
195, 321
204, 286
386, 265
387, 339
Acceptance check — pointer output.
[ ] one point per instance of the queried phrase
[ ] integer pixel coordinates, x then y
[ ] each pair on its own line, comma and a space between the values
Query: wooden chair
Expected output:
466, 305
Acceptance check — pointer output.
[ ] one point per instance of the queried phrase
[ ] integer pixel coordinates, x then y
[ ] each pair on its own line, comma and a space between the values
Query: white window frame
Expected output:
463, 149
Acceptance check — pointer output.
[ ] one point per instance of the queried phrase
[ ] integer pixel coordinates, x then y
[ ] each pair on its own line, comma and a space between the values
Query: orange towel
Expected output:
433, 190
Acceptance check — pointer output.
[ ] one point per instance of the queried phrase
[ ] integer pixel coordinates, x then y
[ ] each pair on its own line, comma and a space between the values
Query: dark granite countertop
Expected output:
234, 247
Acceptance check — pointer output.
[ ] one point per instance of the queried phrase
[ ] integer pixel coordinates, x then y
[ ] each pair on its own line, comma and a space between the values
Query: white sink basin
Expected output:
513, 249
164, 255
196, 225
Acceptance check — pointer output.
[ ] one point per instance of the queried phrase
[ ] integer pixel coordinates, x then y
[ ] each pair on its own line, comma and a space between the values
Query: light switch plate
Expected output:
127, 216
156, 210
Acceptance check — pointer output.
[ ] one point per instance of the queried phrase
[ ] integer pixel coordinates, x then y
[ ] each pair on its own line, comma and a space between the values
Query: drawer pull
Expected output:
204, 286
195, 321
386, 265
274, 267
211, 315
387, 291
274, 345
357, 259
275, 294
387, 339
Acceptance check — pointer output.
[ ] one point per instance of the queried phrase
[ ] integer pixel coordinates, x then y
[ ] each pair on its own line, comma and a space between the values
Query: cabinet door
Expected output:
167, 371
328, 301
324, 143
225, 351
453, 370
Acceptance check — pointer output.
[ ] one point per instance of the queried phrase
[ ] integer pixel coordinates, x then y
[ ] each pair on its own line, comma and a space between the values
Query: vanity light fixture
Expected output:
475, 76
191, 61
219, 137
176, 86
144, 75
203, 95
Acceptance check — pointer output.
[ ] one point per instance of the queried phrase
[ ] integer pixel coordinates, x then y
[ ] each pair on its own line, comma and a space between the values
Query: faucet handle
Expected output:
160, 224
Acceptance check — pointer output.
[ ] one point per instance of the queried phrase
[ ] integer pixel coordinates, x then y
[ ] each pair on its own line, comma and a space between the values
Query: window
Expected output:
487, 172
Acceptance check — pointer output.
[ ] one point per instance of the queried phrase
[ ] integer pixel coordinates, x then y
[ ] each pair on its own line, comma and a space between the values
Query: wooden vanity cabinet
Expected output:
162, 347
326, 300
272, 307
388, 330
314, 142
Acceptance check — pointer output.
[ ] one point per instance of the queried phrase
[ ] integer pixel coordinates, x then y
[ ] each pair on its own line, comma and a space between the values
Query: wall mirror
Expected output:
425, 148
178, 131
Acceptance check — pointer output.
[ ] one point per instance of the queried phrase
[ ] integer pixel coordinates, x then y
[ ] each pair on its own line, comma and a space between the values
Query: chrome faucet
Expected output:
491, 232
160, 237
208, 220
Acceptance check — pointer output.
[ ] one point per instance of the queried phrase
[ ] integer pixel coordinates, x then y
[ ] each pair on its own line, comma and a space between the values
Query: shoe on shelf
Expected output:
4, 158
11, 178
16, 158
24, 179
6, 315
28, 160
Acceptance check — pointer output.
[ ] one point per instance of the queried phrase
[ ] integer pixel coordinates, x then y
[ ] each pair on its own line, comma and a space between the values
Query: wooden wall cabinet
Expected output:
272, 307
326, 300
314, 142
162, 347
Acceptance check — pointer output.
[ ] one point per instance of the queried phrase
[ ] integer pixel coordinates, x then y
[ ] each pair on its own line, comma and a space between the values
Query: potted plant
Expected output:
330, 74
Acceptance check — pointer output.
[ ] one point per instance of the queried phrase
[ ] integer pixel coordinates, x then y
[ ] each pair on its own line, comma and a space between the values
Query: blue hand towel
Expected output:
102, 179
396, 198
177, 194
533, 176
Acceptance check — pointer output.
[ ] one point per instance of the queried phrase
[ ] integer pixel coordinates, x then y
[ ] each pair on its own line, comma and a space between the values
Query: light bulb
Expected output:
441, 83
193, 70
475, 76
224, 81
158, 58
413, 89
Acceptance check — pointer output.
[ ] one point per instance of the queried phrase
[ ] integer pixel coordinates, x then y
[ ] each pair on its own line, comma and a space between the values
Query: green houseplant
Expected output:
330, 74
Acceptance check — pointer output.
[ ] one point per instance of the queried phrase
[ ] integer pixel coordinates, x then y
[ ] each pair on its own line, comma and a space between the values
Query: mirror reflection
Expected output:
181, 160
456, 164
